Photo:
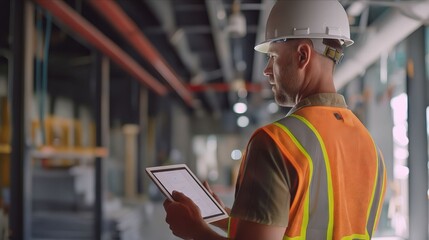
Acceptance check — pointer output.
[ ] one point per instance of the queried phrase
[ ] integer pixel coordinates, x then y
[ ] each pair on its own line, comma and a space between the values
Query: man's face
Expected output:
282, 72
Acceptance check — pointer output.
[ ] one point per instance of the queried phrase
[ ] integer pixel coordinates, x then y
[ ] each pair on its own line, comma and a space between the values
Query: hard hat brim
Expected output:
264, 46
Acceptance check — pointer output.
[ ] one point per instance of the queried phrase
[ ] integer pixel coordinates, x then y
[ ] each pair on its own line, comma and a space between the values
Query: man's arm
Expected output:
184, 218
247, 230
256, 231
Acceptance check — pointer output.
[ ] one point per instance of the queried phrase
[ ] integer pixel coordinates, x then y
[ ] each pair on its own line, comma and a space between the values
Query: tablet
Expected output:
178, 177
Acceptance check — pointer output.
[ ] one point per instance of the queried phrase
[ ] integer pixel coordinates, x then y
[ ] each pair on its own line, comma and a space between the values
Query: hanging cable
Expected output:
42, 57
39, 27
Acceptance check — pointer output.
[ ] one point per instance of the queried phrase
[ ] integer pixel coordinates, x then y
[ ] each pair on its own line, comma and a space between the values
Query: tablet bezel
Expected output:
151, 170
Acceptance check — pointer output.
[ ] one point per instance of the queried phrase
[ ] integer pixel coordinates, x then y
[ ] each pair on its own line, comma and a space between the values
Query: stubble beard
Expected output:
282, 99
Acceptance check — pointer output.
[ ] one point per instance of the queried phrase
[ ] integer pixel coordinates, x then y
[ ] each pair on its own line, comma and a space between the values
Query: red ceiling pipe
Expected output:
87, 31
130, 31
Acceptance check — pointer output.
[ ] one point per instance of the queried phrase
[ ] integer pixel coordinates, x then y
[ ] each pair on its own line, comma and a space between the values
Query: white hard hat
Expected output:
313, 19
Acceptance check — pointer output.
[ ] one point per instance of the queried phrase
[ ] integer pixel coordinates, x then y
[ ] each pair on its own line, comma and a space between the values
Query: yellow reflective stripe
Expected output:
380, 201
229, 227
374, 186
356, 237
293, 238
373, 191
330, 229
306, 214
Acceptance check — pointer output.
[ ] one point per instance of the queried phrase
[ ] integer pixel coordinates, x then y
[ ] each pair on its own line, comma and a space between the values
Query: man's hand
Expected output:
184, 216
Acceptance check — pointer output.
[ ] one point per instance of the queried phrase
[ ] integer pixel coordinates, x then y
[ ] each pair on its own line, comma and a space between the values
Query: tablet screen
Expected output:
180, 178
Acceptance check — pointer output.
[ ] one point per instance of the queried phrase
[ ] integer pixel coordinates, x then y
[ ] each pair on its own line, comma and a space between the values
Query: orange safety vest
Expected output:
340, 173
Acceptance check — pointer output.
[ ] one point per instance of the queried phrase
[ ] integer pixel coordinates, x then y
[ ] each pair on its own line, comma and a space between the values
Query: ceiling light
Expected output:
240, 108
236, 155
243, 121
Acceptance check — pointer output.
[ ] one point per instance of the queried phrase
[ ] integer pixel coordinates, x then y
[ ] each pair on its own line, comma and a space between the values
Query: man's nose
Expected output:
268, 69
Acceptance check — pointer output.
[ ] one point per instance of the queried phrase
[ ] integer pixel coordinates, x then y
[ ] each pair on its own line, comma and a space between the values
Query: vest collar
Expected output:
320, 99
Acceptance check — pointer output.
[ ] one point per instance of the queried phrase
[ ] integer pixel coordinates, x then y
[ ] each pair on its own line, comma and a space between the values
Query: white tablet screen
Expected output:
181, 179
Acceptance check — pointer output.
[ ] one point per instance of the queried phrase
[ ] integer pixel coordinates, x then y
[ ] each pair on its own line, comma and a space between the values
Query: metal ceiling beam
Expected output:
243, 6
224, 87
132, 33
247, 6
203, 29
65, 14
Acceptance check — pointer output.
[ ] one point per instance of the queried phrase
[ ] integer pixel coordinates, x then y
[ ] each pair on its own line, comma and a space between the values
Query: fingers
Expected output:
206, 185
182, 215
173, 210
166, 203
182, 198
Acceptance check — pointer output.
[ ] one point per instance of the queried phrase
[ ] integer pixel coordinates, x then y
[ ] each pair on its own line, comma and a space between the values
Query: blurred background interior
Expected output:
94, 91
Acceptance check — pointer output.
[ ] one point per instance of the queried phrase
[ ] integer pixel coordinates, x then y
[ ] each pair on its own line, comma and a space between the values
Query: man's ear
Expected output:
304, 55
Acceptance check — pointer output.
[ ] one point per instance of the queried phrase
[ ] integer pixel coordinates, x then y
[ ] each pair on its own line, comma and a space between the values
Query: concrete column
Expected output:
101, 115
21, 92
418, 145
144, 148
130, 182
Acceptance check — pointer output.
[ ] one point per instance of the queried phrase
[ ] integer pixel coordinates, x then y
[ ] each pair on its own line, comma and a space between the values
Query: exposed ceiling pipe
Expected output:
178, 37
356, 8
93, 36
131, 32
219, 24
164, 11
381, 37
215, 9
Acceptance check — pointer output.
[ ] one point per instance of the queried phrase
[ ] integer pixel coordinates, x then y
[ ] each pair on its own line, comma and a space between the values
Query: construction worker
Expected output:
316, 173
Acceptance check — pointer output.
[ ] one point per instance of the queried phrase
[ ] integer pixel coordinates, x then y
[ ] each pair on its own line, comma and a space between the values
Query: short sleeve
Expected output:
263, 195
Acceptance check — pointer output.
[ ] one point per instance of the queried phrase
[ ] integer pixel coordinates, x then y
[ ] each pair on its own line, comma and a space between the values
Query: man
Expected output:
315, 174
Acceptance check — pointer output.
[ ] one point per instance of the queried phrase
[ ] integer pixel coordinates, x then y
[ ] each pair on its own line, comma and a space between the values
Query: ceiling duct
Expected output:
397, 24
